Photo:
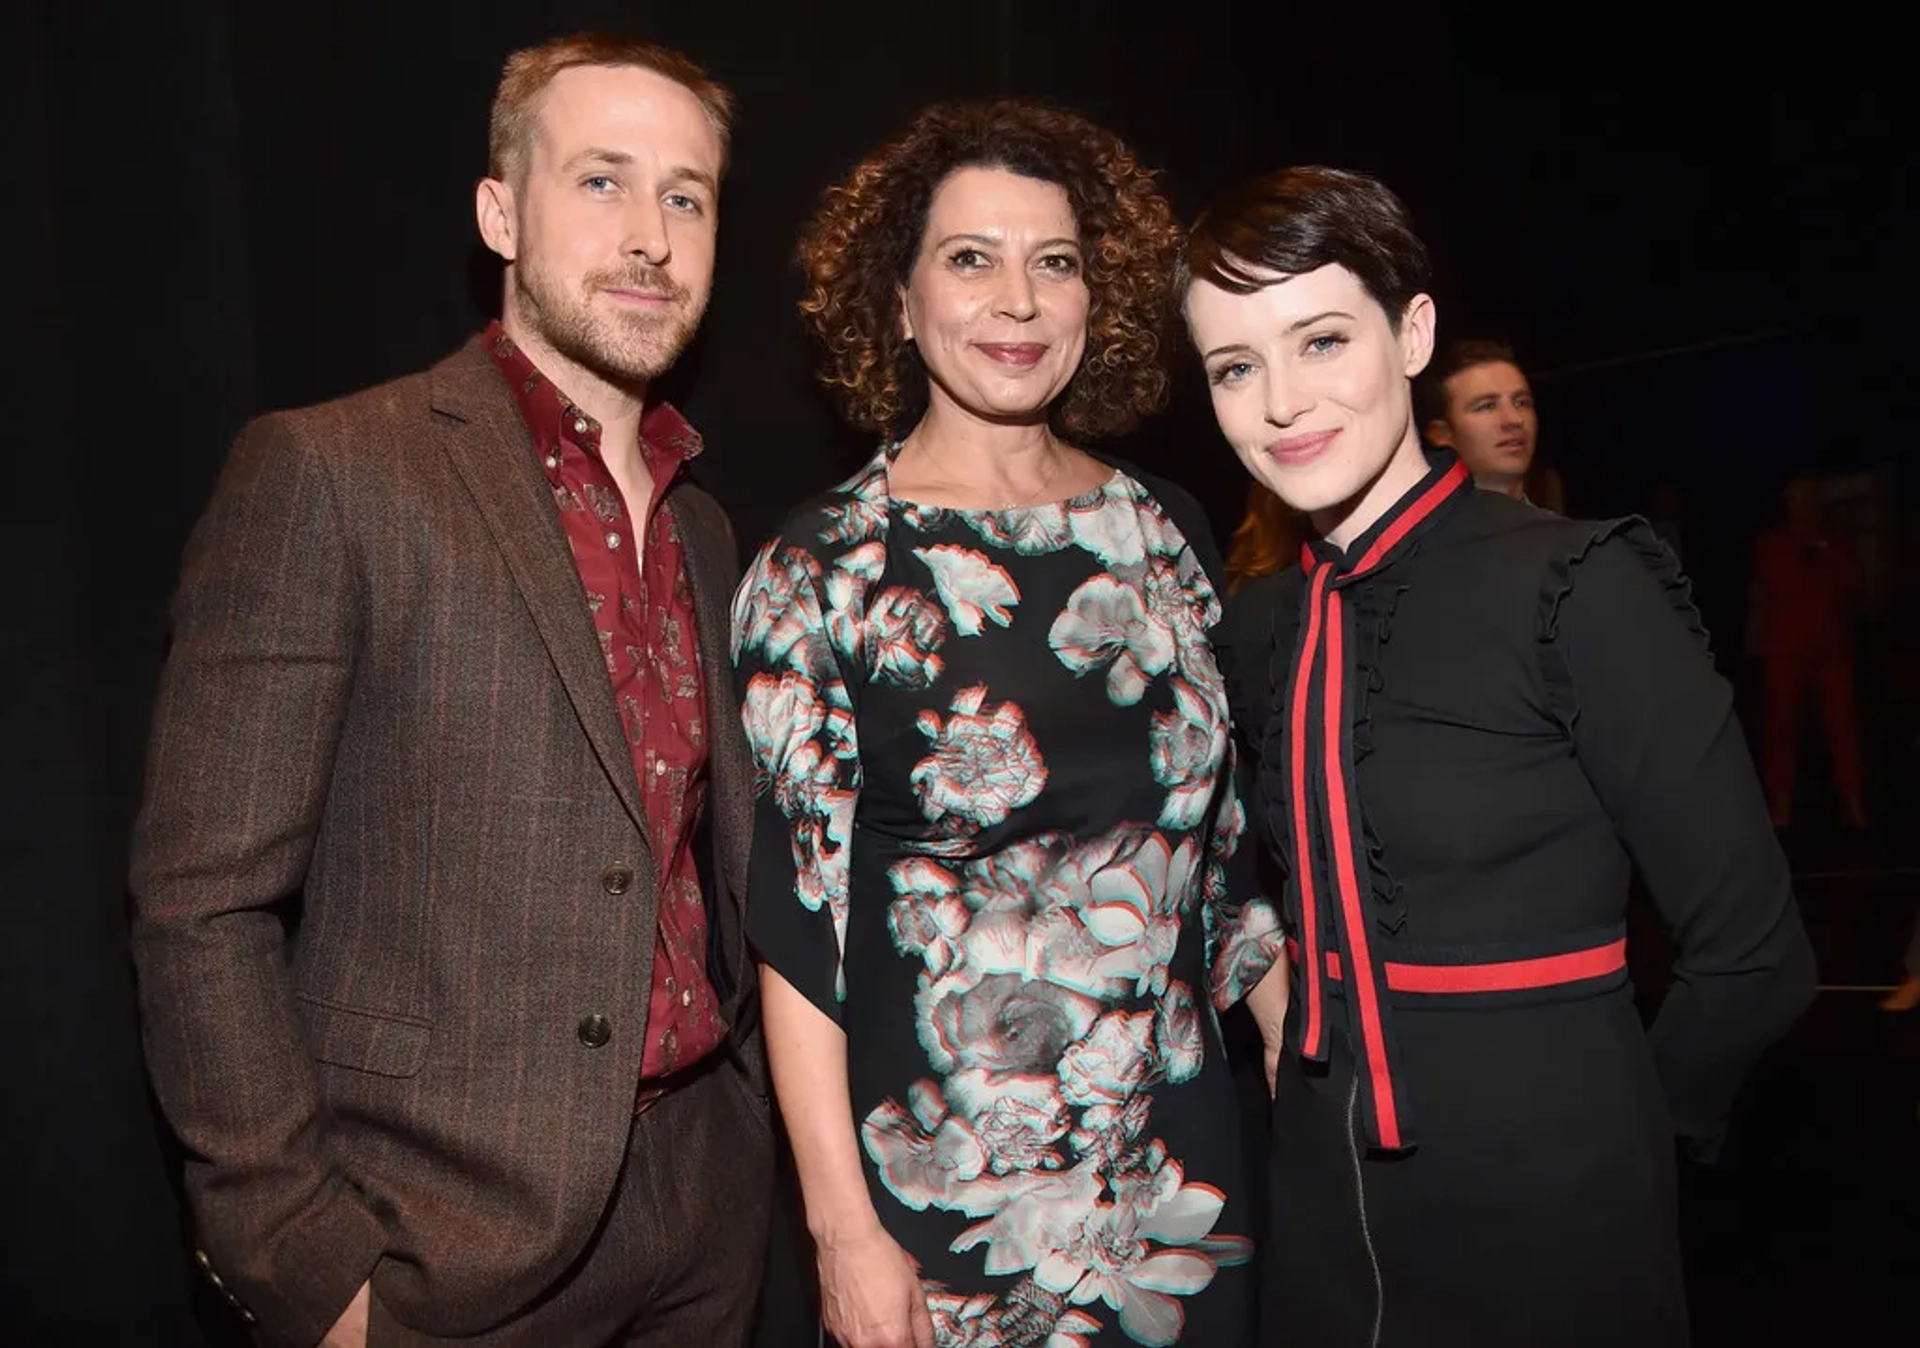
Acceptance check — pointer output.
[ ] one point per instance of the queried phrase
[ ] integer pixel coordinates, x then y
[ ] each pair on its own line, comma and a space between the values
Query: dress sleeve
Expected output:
1628, 672
796, 706
1244, 888
1241, 916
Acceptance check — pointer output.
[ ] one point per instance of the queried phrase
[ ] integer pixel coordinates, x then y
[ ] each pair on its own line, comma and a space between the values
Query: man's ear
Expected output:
493, 211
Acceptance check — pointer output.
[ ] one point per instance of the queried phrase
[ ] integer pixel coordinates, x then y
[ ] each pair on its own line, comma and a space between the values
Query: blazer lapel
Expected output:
481, 431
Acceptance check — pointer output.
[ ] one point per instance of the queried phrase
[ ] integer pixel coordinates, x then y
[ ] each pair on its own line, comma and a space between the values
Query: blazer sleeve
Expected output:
252, 699
1653, 724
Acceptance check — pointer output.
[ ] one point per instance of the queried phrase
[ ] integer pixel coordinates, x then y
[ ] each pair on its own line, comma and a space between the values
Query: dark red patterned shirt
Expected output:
642, 607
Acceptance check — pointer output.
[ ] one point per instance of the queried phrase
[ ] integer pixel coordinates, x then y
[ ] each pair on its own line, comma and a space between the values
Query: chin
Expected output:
1308, 489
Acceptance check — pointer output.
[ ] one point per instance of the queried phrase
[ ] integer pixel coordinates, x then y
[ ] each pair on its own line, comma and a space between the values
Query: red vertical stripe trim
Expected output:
1363, 987
1312, 1035
1314, 1032
1429, 501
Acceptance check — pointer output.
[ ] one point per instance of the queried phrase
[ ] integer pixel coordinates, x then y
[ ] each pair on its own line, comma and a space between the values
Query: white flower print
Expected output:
1111, 1063
1133, 908
1244, 950
1046, 1213
929, 916
776, 608
1186, 747
903, 630
983, 765
1105, 622
1109, 1134
861, 514
1160, 534
983, 1321
971, 586
1114, 1259
1179, 1042
1001, 1022
923, 1154
781, 715
1017, 1117
1112, 535
846, 590
1029, 532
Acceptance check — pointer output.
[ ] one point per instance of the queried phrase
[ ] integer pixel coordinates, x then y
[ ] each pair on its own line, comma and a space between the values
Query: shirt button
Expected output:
686, 997
613, 540
595, 1031
580, 425
659, 767
553, 460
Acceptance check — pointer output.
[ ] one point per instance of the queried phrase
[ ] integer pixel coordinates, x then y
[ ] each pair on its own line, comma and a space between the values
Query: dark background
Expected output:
1699, 244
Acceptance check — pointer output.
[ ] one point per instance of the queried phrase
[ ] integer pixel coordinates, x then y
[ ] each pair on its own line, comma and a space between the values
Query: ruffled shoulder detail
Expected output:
1633, 535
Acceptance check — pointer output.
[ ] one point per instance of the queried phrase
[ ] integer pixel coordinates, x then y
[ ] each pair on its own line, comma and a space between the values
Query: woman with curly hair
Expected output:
993, 887
1472, 719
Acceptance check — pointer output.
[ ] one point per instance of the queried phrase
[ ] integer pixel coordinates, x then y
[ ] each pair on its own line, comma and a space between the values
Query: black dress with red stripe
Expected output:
1469, 728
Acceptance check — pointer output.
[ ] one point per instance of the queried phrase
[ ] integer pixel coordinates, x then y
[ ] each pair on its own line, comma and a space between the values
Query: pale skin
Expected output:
1491, 423
998, 308
607, 228
608, 231
1312, 386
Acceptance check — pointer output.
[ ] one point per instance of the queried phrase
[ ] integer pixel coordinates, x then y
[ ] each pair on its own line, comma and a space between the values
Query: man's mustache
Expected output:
649, 280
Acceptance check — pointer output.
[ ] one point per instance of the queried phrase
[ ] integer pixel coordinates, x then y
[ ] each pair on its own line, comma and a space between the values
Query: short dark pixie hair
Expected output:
1456, 356
1298, 220
859, 250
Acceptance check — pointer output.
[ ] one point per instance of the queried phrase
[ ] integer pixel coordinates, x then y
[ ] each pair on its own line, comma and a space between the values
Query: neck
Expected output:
1516, 487
995, 457
616, 406
1343, 523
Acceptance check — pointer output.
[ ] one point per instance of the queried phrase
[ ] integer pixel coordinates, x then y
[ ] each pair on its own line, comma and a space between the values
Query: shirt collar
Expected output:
666, 438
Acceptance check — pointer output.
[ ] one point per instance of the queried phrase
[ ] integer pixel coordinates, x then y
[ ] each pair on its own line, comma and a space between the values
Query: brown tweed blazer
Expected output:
377, 872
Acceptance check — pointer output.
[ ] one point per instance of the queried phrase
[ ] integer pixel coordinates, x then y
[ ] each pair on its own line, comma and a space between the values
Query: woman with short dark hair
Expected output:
991, 890
1472, 719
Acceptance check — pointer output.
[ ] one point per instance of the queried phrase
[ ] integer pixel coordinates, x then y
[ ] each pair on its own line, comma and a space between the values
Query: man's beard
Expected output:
623, 349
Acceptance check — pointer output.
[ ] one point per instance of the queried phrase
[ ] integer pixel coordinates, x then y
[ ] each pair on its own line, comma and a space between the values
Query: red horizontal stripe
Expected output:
1504, 976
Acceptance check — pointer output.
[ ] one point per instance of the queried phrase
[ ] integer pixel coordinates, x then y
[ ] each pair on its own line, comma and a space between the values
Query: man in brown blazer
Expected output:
438, 871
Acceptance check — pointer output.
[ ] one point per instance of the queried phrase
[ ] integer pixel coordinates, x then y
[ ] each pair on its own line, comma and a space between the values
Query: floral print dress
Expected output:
998, 842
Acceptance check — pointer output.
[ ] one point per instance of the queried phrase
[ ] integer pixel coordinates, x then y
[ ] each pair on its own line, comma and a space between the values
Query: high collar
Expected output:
1418, 509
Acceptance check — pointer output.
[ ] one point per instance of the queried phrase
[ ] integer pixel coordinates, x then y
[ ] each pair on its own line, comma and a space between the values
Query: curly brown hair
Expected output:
859, 251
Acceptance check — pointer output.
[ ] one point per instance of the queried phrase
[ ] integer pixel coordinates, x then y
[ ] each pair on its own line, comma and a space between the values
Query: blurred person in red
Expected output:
1807, 583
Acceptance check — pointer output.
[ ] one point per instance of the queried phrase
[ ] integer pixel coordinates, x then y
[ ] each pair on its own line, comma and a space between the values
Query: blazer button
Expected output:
617, 879
595, 1031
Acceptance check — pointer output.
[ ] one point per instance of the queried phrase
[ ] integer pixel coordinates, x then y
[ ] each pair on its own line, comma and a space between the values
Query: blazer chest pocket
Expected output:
366, 1041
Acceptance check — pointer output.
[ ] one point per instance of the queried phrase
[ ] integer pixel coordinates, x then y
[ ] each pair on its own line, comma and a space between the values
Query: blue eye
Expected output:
1232, 373
598, 183
1325, 344
680, 201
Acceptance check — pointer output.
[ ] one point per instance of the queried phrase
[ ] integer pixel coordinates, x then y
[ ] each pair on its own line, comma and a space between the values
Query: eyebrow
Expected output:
1300, 323
620, 159
1223, 350
598, 156
1292, 327
993, 242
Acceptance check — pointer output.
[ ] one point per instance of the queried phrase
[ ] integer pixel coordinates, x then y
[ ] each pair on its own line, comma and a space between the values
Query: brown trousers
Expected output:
677, 1258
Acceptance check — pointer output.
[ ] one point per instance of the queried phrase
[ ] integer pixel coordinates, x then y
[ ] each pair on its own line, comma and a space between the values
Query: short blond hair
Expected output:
530, 70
